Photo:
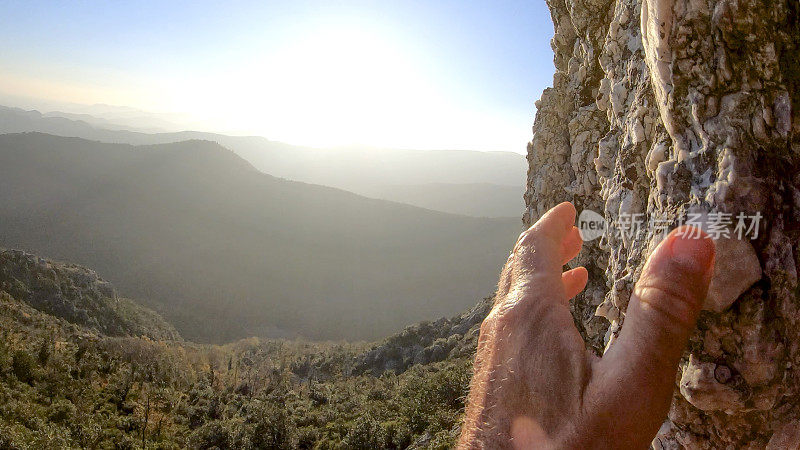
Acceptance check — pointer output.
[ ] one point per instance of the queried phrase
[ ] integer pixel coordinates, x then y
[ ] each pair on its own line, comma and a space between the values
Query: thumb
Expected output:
669, 295
636, 376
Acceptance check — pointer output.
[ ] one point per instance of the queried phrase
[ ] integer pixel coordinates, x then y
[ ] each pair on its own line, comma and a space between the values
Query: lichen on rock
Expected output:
660, 108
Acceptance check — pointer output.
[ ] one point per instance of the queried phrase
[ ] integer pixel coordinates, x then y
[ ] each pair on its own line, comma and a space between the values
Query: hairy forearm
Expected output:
487, 425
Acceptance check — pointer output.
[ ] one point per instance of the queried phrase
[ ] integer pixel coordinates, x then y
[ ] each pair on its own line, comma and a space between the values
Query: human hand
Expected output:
536, 386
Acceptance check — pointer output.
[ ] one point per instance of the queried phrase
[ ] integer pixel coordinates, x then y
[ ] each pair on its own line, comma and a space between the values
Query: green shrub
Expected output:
272, 428
61, 411
44, 352
210, 435
23, 366
365, 434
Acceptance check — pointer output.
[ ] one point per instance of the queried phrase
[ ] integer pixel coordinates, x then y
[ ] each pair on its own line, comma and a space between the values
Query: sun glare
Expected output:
342, 85
324, 89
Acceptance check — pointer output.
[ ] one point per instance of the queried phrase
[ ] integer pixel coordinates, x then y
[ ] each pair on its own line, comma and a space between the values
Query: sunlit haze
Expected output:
445, 74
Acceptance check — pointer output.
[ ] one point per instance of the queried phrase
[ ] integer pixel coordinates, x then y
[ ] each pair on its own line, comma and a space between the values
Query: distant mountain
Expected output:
126, 117
476, 199
480, 184
224, 251
99, 122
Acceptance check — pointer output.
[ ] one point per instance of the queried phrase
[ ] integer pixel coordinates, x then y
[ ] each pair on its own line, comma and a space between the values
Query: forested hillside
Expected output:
64, 384
224, 251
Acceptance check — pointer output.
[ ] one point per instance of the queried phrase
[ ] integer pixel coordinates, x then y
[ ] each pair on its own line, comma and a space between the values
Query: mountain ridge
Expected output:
366, 171
198, 239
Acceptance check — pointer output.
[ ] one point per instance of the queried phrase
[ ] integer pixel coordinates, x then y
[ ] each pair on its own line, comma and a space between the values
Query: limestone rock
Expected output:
703, 387
659, 108
736, 268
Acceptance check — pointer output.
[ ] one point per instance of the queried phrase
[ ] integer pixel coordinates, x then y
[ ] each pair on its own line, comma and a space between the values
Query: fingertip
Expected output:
575, 235
674, 283
579, 273
575, 281
566, 213
691, 248
566, 205
558, 221
554, 224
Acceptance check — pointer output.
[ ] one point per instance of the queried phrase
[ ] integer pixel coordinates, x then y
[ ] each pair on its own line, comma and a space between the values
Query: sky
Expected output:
403, 74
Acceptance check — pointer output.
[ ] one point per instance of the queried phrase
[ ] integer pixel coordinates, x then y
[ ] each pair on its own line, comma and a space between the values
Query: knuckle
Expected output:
523, 239
504, 317
508, 315
486, 325
498, 317
529, 237
672, 300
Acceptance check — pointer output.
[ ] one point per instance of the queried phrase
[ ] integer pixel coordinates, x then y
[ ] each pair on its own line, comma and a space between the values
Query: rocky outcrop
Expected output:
426, 343
77, 295
664, 109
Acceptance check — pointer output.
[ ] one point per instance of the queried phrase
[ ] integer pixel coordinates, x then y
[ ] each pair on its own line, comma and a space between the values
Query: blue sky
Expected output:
421, 74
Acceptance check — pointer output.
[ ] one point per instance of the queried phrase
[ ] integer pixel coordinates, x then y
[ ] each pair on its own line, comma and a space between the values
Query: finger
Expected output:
539, 248
555, 223
637, 374
574, 281
670, 292
571, 246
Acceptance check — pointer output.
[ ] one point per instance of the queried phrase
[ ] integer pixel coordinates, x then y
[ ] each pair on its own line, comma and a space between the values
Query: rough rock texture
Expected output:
660, 108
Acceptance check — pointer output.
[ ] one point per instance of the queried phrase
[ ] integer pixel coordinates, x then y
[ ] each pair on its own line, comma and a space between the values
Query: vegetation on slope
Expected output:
64, 385
77, 295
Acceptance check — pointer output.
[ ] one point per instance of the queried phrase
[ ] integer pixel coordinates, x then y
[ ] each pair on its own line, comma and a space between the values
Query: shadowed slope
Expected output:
224, 251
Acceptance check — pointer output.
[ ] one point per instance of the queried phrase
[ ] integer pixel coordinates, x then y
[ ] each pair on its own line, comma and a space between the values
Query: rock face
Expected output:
661, 109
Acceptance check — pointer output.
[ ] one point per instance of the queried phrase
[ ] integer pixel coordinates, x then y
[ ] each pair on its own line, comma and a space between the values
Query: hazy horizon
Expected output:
56, 109
450, 75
